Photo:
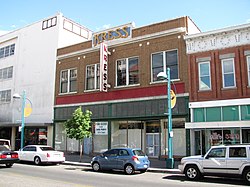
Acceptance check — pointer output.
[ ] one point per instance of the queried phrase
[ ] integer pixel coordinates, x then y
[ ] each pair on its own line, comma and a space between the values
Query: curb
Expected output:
155, 170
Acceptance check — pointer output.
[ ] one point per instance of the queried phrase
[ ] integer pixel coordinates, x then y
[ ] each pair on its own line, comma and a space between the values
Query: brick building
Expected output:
132, 111
219, 66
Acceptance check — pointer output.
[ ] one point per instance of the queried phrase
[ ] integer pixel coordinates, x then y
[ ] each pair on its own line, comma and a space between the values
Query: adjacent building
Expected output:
219, 90
28, 63
115, 76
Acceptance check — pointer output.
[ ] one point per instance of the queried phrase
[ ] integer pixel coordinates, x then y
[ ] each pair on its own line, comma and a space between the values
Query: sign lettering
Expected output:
103, 67
113, 34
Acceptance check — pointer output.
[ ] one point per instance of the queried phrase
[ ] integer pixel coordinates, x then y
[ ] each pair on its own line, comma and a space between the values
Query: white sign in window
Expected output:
101, 128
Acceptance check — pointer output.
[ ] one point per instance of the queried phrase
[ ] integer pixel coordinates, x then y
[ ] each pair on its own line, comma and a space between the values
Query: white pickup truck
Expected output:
223, 160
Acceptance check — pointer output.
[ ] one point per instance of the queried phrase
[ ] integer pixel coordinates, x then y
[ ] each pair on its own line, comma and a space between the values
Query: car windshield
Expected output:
47, 148
139, 152
3, 148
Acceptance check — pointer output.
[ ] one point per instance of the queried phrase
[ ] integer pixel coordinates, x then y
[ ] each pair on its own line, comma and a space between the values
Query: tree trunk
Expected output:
80, 151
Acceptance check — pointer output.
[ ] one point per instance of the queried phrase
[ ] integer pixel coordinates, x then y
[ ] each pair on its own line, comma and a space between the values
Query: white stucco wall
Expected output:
34, 65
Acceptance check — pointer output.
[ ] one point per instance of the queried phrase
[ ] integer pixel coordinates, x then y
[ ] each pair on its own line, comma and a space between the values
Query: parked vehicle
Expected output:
41, 154
129, 160
229, 160
5, 142
7, 156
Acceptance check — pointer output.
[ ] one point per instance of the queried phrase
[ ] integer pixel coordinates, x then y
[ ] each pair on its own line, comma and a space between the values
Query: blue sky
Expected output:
101, 14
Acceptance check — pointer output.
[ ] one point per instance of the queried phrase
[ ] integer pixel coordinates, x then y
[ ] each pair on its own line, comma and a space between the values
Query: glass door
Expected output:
153, 139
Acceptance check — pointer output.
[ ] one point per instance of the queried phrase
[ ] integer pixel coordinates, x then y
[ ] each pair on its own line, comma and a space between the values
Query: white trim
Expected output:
248, 69
223, 72
120, 100
210, 87
164, 64
217, 103
220, 124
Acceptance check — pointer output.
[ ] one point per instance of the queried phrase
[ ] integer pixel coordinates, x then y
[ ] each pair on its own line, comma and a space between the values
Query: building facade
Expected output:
219, 66
27, 63
114, 75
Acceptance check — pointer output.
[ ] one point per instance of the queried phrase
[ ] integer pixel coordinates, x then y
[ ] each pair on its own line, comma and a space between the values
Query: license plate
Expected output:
8, 156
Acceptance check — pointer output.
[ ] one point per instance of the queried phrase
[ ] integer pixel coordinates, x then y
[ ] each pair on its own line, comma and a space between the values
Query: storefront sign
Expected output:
103, 67
101, 128
112, 34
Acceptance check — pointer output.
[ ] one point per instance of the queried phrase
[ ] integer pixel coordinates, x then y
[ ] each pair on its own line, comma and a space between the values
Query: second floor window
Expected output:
204, 76
127, 71
163, 60
7, 51
5, 96
6, 73
228, 73
68, 81
93, 77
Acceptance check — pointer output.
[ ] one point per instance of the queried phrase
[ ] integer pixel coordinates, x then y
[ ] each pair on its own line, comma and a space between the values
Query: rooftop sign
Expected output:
112, 34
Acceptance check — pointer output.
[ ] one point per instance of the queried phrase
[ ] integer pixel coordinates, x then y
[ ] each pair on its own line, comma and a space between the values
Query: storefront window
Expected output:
119, 134
221, 136
213, 114
35, 135
245, 135
60, 139
100, 137
230, 113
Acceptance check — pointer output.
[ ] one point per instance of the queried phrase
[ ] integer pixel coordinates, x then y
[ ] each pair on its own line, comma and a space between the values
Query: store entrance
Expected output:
199, 142
153, 139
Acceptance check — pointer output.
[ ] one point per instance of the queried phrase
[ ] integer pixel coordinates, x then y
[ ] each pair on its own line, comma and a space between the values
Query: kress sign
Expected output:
121, 32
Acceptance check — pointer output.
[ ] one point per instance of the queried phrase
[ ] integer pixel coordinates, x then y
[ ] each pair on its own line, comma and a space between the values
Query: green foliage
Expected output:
78, 126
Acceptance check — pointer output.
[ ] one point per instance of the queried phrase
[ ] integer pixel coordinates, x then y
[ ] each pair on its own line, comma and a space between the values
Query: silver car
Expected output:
127, 159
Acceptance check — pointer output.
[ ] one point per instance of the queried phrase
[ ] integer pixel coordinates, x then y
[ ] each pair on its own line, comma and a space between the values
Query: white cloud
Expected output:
248, 20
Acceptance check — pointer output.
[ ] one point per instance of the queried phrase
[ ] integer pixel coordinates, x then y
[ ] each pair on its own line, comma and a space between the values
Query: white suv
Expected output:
224, 160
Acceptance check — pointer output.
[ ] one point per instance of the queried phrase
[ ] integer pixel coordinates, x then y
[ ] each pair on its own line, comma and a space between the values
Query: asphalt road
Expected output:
28, 175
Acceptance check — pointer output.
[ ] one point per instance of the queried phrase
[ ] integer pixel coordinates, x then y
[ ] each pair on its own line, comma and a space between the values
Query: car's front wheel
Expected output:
9, 165
37, 160
129, 169
96, 166
246, 175
192, 172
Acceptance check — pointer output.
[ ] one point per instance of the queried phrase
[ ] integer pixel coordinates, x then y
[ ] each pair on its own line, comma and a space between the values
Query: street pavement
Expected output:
156, 165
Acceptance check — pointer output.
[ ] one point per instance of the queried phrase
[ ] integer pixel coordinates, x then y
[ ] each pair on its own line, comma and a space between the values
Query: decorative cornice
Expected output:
218, 39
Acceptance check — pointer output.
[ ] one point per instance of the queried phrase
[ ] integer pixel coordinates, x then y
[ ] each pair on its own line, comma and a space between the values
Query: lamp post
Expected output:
170, 160
23, 97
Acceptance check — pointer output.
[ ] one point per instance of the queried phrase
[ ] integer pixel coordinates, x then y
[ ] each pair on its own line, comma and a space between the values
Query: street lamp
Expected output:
25, 113
170, 160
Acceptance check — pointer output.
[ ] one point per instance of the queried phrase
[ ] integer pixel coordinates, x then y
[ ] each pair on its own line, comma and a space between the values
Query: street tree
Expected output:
79, 126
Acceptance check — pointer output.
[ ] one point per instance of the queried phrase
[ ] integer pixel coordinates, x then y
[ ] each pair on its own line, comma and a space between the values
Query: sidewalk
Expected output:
156, 165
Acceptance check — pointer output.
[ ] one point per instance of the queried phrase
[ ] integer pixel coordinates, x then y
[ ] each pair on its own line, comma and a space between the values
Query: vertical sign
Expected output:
103, 67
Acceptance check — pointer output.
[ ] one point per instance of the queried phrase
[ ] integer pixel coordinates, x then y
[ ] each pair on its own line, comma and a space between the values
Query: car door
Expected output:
23, 153
109, 159
237, 158
122, 158
215, 161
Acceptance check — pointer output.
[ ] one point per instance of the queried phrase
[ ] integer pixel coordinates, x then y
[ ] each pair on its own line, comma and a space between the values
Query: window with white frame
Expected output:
127, 71
7, 51
163, 60
204, 76
5, 96
68, 81
6, 73
248, 69
93, 77
228, 73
